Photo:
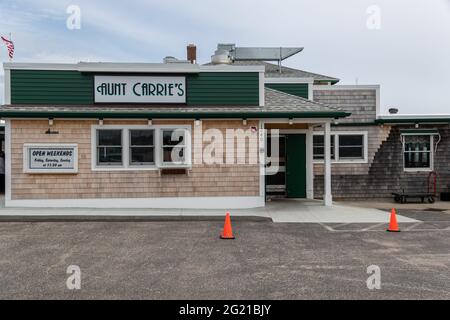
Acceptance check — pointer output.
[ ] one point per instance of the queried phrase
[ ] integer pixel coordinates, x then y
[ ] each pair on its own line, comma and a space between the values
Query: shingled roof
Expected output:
277, 105
272, 71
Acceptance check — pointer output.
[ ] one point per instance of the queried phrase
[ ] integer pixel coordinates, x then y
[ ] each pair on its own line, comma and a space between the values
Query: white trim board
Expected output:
155, 203
7, 160
347, 87
131, 67
231, 68
262, 141
7, 87
262, 95
39, 66
289, 80
413, 117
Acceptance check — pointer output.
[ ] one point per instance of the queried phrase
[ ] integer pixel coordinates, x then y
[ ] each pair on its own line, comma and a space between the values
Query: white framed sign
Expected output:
50, 158
140, 89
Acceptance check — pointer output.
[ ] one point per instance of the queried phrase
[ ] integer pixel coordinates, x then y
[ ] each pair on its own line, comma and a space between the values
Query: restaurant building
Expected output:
228, 134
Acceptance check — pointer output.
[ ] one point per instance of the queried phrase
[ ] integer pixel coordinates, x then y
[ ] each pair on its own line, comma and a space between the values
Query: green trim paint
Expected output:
296, 166
75, 88
296, 89
51, 87
167, 115
226, 88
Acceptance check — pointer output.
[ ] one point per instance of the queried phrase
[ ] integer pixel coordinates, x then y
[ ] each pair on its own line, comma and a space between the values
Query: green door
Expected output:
296, 166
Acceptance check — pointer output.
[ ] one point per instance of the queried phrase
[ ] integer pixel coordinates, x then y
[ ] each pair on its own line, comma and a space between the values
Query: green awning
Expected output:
172, 114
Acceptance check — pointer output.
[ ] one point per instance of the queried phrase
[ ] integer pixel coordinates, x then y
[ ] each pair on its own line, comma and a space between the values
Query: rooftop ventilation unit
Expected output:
227, 53
170, 59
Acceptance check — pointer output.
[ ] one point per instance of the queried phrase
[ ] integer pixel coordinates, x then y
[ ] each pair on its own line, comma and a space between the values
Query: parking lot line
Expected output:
373, 228
413, 226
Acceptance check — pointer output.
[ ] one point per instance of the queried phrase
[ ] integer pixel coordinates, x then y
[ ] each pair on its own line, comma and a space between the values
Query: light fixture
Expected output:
244, 122
100, 122
291, 122
197, 122
50, 121
149, 122
417, 125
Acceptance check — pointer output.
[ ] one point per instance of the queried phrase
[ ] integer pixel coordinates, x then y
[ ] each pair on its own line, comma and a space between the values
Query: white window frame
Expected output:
96, 148
431, 167
126, 165
321, 160
337, 159
130, 146
187, 146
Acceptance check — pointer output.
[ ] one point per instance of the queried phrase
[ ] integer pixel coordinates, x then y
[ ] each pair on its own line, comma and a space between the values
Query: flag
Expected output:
10, 45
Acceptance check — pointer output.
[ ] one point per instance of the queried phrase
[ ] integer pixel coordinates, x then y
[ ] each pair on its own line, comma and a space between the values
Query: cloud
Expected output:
406, 55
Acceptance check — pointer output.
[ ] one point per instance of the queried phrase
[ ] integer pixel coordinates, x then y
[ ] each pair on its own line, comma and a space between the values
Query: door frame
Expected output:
309, 158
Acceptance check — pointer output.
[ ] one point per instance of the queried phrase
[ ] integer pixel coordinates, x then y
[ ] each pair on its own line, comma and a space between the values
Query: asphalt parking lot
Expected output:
185, 259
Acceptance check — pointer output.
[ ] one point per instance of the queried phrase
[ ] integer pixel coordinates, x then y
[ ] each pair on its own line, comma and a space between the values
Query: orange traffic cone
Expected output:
393, 226
227, 231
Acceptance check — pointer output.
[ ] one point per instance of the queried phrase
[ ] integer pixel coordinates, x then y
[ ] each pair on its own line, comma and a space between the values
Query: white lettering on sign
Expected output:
140, 89
50, 158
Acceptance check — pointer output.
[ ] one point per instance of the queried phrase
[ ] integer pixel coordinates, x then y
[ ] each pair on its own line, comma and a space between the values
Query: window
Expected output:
346, 146
318, 147
173, 146
417, 152
351, 146
142, 147
109, 147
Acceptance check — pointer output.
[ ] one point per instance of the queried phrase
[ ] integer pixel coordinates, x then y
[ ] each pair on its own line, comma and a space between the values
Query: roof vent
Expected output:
393, 110
221, 56
170, 59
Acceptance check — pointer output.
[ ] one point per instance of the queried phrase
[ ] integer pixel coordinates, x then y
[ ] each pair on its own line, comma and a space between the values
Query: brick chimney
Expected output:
192, 53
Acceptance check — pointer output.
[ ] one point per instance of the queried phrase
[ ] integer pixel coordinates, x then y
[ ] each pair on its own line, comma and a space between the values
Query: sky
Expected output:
402, 45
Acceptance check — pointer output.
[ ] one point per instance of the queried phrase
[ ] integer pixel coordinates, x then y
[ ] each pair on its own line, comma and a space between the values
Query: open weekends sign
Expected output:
140, 89
50, 158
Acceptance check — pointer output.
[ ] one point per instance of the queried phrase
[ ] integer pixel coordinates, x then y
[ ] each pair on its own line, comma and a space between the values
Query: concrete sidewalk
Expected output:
388, 203
307, 211
285, 210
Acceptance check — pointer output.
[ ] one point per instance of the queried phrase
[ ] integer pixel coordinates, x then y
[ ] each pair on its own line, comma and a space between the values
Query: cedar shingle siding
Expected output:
385, 173
361, 103
203, 180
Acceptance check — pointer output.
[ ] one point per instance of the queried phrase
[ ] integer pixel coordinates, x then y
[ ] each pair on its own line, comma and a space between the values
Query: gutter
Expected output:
413, 121
168, 115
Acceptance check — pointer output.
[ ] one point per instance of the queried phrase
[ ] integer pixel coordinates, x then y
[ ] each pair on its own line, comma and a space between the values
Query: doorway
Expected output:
290, 179
296, 166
